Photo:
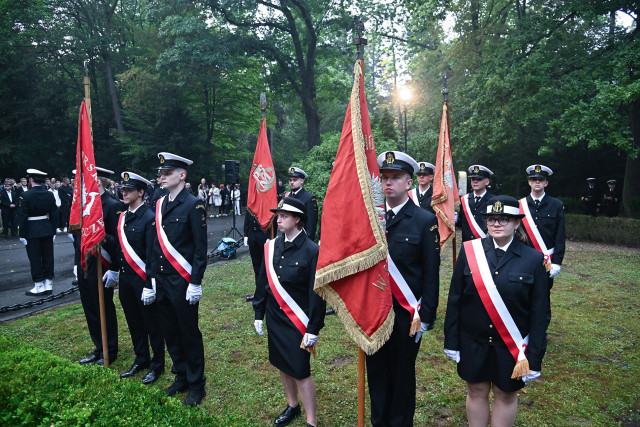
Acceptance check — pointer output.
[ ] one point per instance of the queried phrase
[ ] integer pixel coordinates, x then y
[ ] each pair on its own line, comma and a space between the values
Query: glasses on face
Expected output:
503, 220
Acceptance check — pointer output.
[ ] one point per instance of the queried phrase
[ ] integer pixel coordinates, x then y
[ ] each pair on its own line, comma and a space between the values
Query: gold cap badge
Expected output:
161, 158
292, 170
497, 207
538, 168
126, 176
423, 166
476, 169
390, 157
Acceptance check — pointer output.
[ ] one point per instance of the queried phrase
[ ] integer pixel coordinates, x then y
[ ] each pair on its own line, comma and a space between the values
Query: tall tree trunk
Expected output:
114, 95
313, 122
631, 188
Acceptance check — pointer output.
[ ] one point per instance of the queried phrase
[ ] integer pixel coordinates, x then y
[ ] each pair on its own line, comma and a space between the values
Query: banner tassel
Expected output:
521, 369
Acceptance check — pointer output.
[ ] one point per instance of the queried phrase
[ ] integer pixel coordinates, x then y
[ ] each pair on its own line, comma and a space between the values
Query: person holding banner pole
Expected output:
496, 320
413, 264
473, 204
176, 267
295, 313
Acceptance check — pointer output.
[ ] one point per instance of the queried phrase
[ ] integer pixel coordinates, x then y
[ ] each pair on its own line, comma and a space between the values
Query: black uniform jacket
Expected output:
590, 194
296, 270
549, 217
139, 227
311, 207
5, 203
521, 280
37, 201
475, 210
414, 246
185, 224
253, 231
425, 199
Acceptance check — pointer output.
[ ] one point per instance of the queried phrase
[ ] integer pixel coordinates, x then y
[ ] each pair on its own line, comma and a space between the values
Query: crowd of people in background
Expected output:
597, 202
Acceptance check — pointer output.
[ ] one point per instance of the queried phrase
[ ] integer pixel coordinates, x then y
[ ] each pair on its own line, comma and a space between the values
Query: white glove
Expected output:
54, 237
453, 355
423, 328
149, 295
23, 240
257, 325
309, 340
246, 241
194, 293
555, 269
110, 278
455, 216
70, 236
532, 376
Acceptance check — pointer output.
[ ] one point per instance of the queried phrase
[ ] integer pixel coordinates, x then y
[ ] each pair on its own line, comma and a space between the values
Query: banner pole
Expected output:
103, 320
361, 363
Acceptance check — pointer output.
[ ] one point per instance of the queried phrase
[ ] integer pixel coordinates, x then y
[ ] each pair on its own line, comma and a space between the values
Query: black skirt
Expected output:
284, 343
487, 362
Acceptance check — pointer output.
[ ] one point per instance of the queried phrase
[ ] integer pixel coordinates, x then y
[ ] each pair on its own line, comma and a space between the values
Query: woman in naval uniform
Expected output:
284, 288
498, 291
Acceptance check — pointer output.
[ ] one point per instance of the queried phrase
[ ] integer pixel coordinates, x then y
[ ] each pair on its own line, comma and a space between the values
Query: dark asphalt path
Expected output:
15, 274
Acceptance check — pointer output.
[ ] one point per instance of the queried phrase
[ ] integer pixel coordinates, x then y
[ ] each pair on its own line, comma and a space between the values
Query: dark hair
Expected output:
38, 179
521, 235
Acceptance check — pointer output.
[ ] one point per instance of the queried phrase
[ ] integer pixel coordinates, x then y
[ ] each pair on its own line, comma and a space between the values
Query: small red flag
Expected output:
445, 189
352, 264
86, 209
263, 193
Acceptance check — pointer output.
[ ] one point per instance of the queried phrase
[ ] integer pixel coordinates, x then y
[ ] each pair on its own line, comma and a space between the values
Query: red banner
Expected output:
86, 209
445, 188
352, 272
263, 191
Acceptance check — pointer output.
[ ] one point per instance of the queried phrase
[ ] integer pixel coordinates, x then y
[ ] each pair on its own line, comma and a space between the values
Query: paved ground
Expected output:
15, 276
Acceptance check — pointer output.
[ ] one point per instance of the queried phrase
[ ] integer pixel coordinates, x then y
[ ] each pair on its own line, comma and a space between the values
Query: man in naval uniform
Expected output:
589, 198
136, 232
548, 215
176, 267
473, 205
414, 248
421, 195
88, 282
296, 181
38, 231
611, 199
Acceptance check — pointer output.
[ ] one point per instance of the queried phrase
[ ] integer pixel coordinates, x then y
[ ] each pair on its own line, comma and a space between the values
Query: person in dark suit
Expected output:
38, 231
9, 206
176, 266
548, 214
136, 232
589, 198
288, 274
65, 192
474, 203
414, 248
296, 181
88, 281
421, 195
473, 338
611, 199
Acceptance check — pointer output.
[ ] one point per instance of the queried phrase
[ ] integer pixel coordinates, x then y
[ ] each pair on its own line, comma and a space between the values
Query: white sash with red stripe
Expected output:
534, 234
288, 304
106, 259
413, 194
402, 291
176, 259
475, 228
134, 261
492, 300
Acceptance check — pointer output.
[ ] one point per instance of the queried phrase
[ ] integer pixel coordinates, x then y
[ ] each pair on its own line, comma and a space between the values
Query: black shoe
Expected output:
287, 416
152, 376
330, 312
135, 368
194, 397
74, 283
89, 359
178, 386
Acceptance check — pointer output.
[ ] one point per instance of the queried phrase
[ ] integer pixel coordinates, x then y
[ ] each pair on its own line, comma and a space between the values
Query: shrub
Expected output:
41, 389
619, 231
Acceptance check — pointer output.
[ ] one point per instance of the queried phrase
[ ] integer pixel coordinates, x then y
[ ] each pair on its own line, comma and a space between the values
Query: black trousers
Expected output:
40, 253
9, 221
88, 287
257, 255
179, 321
391, 373
143, 322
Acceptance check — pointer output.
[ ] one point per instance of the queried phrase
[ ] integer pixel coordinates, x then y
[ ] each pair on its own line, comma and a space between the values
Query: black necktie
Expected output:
478, 200
128, 216
390, 215
499, 254
288, 245
537, 202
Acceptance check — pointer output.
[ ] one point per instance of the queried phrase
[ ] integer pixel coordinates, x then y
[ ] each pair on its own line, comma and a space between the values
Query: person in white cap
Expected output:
296, 181
611, 199
176, 266
589, 198
472, 205
414, 263
38, 231
421, 195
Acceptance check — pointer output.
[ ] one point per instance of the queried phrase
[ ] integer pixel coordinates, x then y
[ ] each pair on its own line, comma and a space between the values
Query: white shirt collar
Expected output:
397, 208
505, 247
297, 191
481, 196
134, 210
422, 192
541, 197
294, 237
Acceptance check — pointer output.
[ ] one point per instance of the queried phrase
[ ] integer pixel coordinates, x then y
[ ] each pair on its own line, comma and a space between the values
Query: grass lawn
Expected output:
590, 372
